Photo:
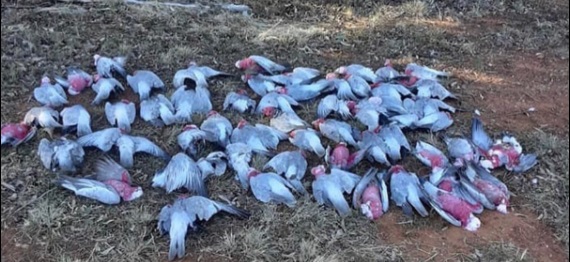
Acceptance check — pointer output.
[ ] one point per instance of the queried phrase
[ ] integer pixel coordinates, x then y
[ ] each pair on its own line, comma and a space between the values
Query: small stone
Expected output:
13, 197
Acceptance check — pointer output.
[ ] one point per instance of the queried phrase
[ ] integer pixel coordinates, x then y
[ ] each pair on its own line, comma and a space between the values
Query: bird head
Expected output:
125, 101
268, 111
212, 113
388, 63
241, 91
331, 76
242, 123
341, 70
318, 170
189, 127
252, 172
245, 63
396, 169
317, 123
45, 80
96, 58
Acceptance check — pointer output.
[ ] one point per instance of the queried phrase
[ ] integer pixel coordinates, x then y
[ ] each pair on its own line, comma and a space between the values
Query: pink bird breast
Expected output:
18, 131
492, 192
242, 123
45, 80
435, 160
371, 198
340, 155
330, 76
456, 207
396, 169
78, 83
268, 111
126, 192
252, 173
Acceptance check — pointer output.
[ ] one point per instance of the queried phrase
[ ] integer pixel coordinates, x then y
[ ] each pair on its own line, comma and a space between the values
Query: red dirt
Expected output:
521, 229
526, 81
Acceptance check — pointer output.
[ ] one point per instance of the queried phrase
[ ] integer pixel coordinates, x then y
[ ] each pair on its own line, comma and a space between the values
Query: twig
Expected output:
8, 186
31, 201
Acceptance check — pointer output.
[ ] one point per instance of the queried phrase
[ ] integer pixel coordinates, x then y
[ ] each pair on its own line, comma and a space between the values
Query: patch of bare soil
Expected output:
532, 93
521, 228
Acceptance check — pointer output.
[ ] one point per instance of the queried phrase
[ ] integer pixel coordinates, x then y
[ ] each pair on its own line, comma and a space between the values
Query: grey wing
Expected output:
143, 144
479, 136
45, 152
369, 177
400, 137
267, 64
346, 180
103, 139
131, 112
326, 106
201, 207
110, 113
278, 162
149, 110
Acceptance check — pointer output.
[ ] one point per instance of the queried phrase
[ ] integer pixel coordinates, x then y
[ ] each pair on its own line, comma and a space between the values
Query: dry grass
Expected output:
549, 196
57, 226
498, 251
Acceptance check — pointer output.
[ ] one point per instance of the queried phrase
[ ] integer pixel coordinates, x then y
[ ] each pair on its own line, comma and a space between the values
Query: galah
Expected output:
207, 71
305, 92
394, 140
479, 181
307, 140
386, 73
405, 191
188, 102
239, 157
16, 134
176, 218
239, 101
370, 195
76, 81
329, 189
396, 91
430, 156
108, 192
447, 179
50, 95
189, 137
287, 122
260, 85
358, 70
428, 88
391, 102
331, 104
76, 119
341, 158
109, 67
108, 169
218, 129
507, 151
128, 145
213, 164
191, 78
358, 85
143, 82
424, 72
299, 76
374, 146
61, 155
451, 207
44, 117
260, 65
435, 122
460, 148
181, 172
121, 114
261, 141
404, 121
273, 101
343, 89
292, 165
104, 87
336, 130
426, 106
368, 112
271, 188
158, 111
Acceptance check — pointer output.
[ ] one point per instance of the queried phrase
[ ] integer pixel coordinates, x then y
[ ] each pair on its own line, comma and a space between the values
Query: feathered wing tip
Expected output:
298, 186
526, 162
241, 213
106, 168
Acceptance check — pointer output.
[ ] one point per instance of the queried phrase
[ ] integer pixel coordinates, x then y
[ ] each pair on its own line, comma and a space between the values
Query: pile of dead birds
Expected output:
384, 105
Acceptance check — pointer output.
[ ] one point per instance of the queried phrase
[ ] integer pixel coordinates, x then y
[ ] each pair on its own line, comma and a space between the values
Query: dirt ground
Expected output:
509, 60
